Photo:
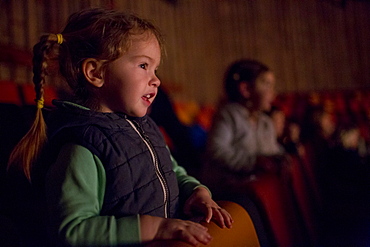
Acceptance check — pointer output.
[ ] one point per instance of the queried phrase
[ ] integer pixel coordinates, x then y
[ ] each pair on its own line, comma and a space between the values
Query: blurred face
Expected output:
350, 138
264, 91
327, 124
130, 82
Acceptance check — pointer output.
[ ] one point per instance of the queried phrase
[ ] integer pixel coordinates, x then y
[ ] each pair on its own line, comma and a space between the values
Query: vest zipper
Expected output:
136, 126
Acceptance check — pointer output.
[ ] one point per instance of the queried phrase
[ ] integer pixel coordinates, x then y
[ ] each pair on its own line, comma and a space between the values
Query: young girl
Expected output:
243, 137
110, 178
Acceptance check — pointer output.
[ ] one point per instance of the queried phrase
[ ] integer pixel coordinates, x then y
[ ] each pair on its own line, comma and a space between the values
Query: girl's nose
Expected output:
155, 81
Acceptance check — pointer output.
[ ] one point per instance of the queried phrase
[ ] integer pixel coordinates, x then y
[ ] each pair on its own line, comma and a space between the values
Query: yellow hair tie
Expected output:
40, 103
59, 38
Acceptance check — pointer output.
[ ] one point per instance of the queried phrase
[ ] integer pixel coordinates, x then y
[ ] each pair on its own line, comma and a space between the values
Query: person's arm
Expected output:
75, 187
187, 184
199, 199
75, 192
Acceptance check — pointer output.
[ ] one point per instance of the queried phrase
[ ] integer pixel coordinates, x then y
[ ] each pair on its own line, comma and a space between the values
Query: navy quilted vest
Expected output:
139, 174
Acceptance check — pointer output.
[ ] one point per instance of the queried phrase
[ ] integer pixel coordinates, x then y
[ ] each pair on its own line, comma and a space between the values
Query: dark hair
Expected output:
92, 33
242, 71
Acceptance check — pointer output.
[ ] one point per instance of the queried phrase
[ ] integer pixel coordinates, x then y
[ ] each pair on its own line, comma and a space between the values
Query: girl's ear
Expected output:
91, 68
244, 89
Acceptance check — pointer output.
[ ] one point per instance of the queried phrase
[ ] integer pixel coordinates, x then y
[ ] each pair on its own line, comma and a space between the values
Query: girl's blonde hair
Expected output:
92, 33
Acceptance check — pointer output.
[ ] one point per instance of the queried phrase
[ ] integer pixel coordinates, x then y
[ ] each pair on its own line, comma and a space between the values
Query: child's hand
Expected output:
188, 231
158, 228
201, 202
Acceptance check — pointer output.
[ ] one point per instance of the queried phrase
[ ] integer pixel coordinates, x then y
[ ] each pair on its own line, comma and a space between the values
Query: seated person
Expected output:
242, 140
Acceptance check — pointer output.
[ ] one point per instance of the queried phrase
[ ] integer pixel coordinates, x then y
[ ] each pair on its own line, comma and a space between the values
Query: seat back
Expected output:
273, 197
304, 200
9, 93
28, 93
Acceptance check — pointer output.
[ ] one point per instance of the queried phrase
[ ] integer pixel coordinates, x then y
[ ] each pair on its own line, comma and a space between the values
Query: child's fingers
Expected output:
228, 220
195, 233
218, 217
222, 218
188, 231
209, 214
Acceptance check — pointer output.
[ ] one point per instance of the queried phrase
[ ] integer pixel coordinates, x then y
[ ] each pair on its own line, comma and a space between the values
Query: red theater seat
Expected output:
28, 93
9, 93
273, 198
304, 200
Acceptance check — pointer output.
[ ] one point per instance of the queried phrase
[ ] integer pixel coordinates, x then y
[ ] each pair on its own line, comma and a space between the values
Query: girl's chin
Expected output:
138, 114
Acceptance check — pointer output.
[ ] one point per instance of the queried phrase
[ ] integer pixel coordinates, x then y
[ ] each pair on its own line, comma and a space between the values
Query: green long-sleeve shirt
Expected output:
75, 187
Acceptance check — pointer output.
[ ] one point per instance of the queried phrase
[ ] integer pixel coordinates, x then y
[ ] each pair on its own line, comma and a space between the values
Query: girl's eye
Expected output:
144, 66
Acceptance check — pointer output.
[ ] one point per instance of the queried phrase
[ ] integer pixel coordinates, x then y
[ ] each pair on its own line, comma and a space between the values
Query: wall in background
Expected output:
310, 44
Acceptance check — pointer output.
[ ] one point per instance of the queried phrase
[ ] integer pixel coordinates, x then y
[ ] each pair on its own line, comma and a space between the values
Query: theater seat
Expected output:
28, 94
9, 93
273, 197
304, 200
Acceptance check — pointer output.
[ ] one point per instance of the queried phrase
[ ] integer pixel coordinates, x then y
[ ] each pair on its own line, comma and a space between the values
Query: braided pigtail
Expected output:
27, 151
